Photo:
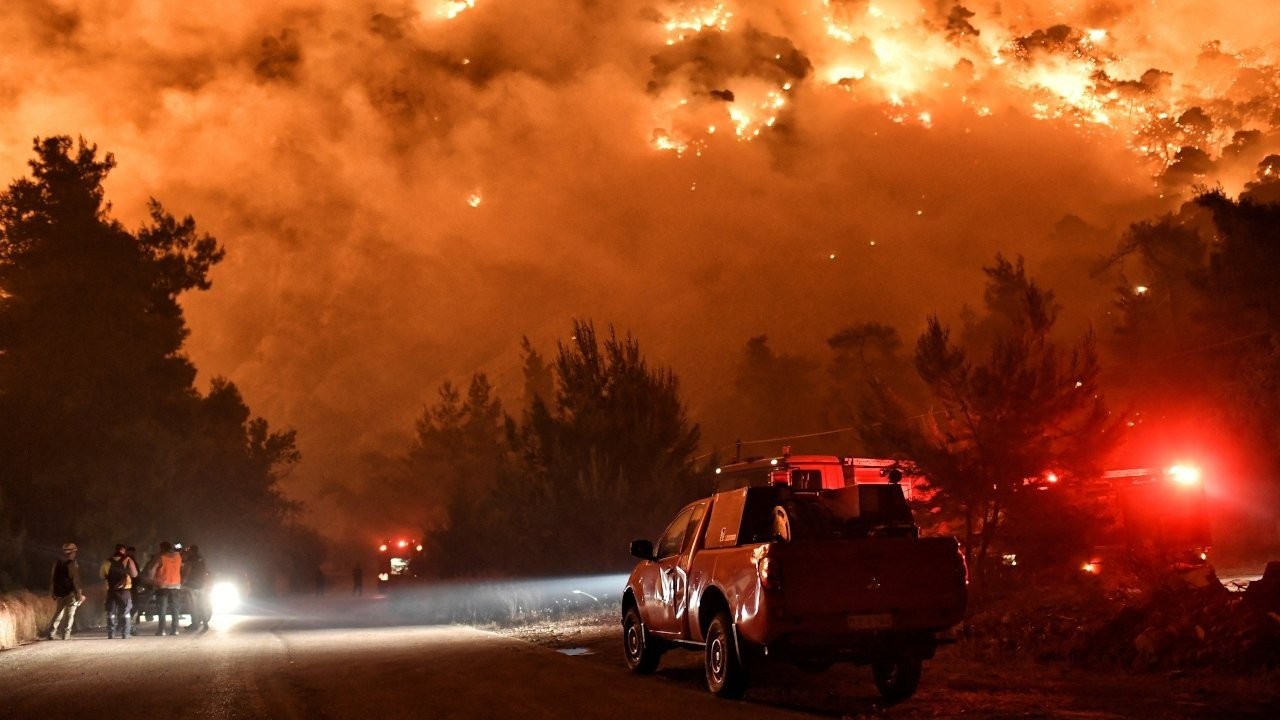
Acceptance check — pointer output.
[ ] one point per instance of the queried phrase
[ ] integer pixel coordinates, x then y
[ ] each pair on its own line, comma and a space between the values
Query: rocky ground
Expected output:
965, 680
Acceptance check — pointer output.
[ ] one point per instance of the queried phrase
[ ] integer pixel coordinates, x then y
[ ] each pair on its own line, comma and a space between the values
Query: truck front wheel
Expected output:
897, 678
641, 651
726, 677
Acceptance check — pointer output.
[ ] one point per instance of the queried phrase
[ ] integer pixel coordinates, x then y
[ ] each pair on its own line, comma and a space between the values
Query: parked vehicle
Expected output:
807, 576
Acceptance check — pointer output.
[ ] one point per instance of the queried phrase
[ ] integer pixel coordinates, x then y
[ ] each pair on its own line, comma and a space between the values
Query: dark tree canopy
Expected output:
1007, 406
602, 455
103, 435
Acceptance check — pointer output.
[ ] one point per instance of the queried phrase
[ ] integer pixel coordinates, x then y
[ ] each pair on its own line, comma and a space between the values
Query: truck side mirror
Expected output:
642, 549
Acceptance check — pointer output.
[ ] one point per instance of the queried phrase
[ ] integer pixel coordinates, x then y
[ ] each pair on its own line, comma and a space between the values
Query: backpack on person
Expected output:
62, 583
117, 573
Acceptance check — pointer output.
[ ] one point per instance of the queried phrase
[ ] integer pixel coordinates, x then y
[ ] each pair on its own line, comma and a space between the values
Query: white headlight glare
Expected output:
224, 597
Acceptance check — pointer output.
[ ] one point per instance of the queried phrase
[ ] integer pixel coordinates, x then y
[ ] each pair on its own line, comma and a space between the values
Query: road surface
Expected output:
333, 659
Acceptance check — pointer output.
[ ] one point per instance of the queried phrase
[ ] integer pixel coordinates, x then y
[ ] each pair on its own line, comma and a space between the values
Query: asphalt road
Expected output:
333, 659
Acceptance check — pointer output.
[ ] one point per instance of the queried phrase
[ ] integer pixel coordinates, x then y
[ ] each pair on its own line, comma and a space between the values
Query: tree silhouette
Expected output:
612, 454
600, 457
1006, 408
102, 432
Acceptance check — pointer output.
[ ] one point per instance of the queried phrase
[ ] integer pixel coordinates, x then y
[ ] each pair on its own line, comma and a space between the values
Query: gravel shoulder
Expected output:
955, 684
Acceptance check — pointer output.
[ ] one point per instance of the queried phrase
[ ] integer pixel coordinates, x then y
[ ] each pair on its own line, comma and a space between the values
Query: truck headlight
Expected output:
224, 597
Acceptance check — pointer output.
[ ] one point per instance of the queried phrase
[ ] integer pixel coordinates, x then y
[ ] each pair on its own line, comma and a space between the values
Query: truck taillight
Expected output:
1184, 474
770, 573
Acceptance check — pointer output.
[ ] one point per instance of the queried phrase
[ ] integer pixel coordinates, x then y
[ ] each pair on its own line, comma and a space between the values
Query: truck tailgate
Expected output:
873, 583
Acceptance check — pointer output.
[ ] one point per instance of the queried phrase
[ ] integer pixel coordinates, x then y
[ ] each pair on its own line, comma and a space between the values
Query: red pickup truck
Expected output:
810, 577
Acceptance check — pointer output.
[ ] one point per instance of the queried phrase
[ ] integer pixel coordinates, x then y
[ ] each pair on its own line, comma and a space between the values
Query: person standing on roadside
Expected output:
135, 590
195, 578
168, 581
120, 572
67, 592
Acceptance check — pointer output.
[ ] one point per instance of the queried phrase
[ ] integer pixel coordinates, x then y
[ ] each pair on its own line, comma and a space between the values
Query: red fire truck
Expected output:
399, 562
1162, 516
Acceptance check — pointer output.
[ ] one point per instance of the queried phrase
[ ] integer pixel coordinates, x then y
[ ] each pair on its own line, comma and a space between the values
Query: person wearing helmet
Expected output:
67, 593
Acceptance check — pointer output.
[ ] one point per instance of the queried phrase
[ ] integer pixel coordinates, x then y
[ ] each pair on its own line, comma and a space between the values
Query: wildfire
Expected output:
453, 8
913, 58
689, 21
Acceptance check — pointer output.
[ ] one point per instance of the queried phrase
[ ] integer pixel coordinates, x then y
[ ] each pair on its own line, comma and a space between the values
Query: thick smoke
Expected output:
405, 188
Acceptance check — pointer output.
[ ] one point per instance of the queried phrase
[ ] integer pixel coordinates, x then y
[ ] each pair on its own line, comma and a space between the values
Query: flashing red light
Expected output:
403, 543
1051, 477
1093, 568
1184, 474
382, 547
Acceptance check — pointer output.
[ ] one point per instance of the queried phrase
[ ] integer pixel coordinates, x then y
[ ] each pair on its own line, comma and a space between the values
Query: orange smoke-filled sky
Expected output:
406, 188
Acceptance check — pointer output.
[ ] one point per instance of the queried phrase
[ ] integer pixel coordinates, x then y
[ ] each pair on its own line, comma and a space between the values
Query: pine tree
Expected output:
1006, 408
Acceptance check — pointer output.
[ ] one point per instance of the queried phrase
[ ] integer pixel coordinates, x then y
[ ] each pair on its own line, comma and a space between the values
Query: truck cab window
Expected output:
673, 537
806, 480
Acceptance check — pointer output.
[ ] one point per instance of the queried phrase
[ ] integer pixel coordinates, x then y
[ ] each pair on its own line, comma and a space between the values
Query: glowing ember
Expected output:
691, 21
453, 8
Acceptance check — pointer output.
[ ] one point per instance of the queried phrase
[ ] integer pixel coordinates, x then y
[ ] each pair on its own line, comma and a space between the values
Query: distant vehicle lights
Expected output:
387, 544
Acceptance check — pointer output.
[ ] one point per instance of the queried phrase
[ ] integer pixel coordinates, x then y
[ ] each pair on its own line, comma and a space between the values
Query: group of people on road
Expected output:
129, 589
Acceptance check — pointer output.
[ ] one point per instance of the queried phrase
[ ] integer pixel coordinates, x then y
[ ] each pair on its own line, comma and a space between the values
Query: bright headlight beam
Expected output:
224, 598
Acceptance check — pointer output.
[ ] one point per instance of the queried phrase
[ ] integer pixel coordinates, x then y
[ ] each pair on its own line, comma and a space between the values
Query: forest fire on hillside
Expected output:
906, 58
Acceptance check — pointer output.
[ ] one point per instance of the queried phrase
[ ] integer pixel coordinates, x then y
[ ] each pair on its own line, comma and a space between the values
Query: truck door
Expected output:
668, 616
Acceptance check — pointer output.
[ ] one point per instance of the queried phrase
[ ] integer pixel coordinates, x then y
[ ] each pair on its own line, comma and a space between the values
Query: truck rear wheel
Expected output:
641, 651
897, 678
726, 677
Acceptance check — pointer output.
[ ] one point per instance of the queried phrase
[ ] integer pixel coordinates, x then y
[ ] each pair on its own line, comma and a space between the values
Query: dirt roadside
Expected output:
954, 684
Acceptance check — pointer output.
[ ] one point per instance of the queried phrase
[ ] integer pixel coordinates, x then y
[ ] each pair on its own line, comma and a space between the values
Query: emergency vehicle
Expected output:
400, 562
1162, 515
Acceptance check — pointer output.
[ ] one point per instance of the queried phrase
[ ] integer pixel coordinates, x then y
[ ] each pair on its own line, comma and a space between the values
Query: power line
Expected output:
1190, 350
814, 434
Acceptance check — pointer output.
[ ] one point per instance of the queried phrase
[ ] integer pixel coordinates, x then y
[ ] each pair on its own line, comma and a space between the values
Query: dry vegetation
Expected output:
22, 615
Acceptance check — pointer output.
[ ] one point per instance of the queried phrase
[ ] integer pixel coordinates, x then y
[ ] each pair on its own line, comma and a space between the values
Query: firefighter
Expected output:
67, 592
120, 572
168, 581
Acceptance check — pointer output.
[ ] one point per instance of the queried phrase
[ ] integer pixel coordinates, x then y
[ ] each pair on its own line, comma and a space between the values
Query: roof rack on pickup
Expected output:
810, 472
